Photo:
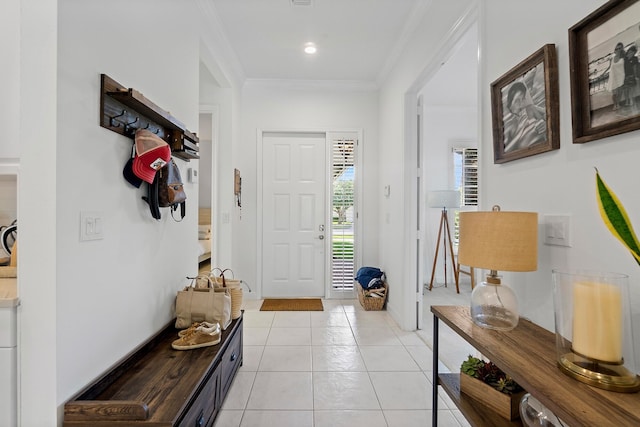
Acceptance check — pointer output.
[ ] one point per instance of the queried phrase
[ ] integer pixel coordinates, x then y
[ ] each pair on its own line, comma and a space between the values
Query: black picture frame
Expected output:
524, 107
600, 105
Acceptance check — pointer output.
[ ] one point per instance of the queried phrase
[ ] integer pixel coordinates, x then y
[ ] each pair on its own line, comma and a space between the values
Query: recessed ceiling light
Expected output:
301, 2
310, 48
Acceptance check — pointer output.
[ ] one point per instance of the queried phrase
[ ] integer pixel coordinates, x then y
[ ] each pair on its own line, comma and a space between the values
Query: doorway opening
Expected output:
449, 116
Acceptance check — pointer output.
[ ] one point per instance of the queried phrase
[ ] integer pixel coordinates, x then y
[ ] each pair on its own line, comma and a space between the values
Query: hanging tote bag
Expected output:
203, 304
233, 285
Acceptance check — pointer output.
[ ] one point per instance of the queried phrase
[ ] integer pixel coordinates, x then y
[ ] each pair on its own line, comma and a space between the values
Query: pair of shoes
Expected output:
196, 325
198, 336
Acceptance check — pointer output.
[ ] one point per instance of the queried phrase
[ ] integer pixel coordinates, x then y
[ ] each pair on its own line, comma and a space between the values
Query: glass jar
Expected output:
535, 414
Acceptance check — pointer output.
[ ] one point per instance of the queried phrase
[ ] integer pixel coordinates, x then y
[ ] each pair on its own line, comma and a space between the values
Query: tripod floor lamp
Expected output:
443, 200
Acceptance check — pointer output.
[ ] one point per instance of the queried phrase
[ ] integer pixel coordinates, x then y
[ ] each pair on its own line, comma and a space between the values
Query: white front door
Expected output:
293, 217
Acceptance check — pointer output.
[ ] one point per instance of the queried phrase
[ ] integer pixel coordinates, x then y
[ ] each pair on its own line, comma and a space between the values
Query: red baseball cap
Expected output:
152, 153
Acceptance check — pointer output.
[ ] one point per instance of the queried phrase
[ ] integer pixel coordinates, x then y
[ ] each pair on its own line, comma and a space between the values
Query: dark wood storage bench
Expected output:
158, 386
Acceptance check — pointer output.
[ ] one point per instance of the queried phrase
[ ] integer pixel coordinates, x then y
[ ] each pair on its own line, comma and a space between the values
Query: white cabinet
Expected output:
8, 362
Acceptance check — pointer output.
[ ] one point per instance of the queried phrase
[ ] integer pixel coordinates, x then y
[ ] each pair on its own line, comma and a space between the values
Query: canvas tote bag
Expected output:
233, 285
203, 303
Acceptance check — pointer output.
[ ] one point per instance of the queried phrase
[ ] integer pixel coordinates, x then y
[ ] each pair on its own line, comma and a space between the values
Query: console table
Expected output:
159, 386
528, 355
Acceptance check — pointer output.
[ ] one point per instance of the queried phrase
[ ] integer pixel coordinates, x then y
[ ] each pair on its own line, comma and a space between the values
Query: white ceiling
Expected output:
456, 82
358, 40
355, 38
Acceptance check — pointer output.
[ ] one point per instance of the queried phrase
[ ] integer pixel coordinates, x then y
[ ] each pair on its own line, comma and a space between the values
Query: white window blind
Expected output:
342, 208
465, 166
465, 162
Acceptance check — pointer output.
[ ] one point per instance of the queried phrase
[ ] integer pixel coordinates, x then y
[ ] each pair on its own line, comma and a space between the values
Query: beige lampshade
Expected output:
497, 240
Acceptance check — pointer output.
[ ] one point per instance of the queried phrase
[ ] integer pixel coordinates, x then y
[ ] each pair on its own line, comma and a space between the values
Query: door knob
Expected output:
321, 237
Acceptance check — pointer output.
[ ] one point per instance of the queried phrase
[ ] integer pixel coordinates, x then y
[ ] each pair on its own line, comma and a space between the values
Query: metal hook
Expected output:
128, 128
129, 124
116, 123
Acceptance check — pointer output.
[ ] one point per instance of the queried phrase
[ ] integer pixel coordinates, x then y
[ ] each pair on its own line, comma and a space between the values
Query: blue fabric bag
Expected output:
369, 277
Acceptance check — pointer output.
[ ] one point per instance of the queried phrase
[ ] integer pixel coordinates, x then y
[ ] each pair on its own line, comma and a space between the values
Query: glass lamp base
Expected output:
494, 307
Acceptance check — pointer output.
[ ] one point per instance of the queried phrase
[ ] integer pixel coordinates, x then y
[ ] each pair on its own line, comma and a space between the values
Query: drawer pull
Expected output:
234, 356
200, 420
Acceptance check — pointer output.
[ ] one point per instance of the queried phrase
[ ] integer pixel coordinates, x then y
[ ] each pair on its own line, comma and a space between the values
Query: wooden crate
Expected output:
506, 405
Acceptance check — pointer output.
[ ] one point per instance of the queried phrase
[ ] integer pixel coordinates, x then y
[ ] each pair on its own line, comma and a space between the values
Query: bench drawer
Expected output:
204, 408
231, 361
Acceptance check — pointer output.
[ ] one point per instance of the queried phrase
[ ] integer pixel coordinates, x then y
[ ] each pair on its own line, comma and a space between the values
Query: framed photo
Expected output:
524, 107
605, 71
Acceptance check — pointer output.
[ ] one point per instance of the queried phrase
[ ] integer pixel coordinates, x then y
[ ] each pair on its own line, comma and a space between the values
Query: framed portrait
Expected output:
605, 71
524, 108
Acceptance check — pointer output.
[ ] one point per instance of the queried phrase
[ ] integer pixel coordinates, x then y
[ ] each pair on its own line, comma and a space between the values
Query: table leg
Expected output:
434, 410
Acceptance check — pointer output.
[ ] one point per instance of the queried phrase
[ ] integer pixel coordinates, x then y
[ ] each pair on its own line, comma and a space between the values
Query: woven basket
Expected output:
369, 302
235, 290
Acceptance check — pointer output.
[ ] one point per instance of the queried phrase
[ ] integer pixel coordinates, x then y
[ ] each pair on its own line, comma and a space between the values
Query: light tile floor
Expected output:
340, 367
452, 349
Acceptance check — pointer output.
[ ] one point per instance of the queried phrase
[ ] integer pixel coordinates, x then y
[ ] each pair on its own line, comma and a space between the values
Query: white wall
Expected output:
10, 72
114, 293
225, 100
37, 213
206, 156
421, 53
294, 107
562, 181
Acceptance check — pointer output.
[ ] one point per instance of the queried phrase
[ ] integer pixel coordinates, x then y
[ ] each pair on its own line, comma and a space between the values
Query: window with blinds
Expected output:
465, 166
342, 208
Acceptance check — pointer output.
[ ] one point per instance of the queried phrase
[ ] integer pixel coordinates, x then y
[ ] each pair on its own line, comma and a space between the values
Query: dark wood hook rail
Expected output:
125, 110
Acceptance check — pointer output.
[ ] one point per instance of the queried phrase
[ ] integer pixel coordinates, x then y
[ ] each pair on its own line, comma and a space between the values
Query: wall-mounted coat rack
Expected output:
125, 110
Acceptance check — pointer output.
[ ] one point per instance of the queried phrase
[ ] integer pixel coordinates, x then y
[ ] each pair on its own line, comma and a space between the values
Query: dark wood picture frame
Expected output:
600, 106
524, 107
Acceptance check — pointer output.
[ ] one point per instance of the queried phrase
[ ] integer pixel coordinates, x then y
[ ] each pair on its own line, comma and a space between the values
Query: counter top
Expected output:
8, 292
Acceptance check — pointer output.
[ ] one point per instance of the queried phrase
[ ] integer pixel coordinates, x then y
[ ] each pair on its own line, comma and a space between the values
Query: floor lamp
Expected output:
443, 200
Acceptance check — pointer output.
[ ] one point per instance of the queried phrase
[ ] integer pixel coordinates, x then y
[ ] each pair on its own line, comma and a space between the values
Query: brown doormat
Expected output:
294, 304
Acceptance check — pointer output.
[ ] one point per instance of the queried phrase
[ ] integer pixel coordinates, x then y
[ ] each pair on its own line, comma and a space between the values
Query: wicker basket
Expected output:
371, 300
235, 290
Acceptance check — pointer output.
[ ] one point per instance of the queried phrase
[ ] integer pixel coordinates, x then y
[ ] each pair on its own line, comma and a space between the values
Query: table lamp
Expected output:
444, 199
497, 240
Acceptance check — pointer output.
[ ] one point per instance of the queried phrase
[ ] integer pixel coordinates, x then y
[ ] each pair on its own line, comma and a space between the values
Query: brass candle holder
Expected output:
594, 341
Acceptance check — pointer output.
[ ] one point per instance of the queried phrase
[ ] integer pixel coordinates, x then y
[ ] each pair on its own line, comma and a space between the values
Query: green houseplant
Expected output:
615, 217
490, 374
488, 384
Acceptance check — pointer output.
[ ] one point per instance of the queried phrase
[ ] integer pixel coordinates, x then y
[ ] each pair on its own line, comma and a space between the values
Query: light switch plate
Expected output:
192, 175
557, 230
91, 225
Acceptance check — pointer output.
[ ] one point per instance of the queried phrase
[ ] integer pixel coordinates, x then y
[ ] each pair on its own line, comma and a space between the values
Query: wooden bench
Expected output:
159, 386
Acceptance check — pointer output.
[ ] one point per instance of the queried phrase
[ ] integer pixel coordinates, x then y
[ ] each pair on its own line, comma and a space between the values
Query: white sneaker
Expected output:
200, 336
206, 325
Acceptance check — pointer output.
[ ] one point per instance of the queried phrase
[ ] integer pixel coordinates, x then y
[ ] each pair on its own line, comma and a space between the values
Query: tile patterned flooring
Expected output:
340, 367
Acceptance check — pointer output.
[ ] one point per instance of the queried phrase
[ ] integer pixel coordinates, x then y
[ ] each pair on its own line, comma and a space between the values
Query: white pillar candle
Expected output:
597, 321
